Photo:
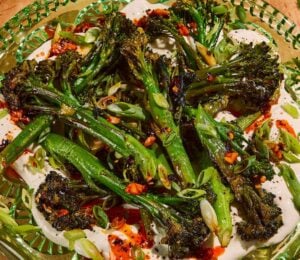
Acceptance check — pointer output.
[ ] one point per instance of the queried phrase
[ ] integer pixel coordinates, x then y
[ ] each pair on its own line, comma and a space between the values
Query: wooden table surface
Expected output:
8, 8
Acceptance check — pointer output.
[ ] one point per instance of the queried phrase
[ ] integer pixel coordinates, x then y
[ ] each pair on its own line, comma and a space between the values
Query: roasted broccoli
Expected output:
252, 76
262, 216
141, 60
184, 233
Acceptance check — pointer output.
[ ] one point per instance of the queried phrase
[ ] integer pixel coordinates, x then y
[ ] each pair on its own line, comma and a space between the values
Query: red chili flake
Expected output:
150, 140
50, 31
83, 27
62, 212
3, 104
101, 19
258, 122
158, 12
218, 250
183, 30
135, 188
11, 174
210, 77
142, 22
231, 157
192, 26
118, 222
284, 124
17, 116
114, 120
61, 46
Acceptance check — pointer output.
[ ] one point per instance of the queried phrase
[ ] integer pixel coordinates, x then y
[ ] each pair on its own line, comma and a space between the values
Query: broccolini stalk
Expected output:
292, 183
183, 234
39, 85
263, 217
28, 135
207, 16
100, 128
221, 205
134, 50
252, 76
158, 26
106, 51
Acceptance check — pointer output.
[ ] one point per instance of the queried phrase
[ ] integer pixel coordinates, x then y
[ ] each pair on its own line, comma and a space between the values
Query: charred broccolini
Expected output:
252, 76
141, 61
183, 234
35, 95
262, 216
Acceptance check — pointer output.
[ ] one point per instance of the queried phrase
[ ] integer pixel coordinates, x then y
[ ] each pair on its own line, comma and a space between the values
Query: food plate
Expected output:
24, 35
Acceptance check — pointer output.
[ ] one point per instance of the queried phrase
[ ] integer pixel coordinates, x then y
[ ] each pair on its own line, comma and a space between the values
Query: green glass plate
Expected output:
25, 32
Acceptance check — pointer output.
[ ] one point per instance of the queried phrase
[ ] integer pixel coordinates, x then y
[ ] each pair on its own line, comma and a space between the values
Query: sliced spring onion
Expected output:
115, 88
163, 176
101, 217
208, 130
25, 229
56, 34
292, 183
291, 110
3, 113
291, 143
90, 249
36, 162
127, 110
3, 207
220, 9
191, 193
160, 100
240, 13
53, 163
209, 215
290, 157
77, 39
203, 177
92, 34
26, 199
109, 202
7, 219
245, 121
74, 235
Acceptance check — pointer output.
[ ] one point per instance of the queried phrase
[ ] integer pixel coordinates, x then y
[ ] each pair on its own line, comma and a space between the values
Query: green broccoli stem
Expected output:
180, 230
102, 56
89, 165
201, 24
229, 88
192, 58
221, 129
214, 39
169, 133
100, 128
292, 183
224, 198
263, 217
94, 69
28, 135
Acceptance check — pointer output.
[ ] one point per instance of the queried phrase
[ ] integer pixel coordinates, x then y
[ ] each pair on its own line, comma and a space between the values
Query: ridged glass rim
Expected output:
17, 28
